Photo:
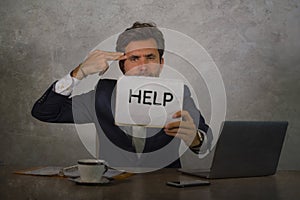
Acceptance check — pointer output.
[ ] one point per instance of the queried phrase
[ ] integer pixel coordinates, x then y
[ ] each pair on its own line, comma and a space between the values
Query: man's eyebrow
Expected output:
138, 56
134, 56
150, 55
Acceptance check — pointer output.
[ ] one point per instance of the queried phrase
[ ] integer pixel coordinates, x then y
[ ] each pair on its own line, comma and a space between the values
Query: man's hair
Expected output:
140, 31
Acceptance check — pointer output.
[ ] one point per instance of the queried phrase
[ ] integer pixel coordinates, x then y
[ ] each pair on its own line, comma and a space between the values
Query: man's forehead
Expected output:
141, 46
142, 52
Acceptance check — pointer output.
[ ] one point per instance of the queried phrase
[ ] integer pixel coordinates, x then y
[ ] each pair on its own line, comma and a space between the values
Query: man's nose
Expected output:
143, 61
143, 64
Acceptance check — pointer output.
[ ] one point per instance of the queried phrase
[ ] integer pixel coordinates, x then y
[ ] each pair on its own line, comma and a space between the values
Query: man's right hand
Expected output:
96, 62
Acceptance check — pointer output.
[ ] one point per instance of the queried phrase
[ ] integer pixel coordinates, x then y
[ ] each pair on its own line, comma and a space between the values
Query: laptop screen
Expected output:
248, 148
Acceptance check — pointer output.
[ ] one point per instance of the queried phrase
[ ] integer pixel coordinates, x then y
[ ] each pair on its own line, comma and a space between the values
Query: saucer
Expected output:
78, 180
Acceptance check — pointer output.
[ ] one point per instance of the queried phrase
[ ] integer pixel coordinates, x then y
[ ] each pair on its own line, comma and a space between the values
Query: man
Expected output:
139, 51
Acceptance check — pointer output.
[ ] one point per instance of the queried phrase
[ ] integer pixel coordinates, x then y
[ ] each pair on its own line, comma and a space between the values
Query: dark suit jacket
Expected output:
53, 107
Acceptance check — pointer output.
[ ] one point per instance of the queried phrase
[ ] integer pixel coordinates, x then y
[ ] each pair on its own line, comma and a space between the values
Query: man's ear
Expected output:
121, 65
162, 62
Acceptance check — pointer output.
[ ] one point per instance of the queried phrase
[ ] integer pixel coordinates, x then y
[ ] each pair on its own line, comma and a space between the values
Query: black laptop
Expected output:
245, 149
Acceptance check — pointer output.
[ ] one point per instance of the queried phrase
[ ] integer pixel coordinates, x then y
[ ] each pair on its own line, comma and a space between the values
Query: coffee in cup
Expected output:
91, 170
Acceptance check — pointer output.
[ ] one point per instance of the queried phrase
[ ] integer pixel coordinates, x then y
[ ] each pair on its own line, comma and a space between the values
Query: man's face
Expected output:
143, 59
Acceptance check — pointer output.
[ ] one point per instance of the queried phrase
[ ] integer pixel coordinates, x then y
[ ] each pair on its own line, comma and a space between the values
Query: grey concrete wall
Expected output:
254, 43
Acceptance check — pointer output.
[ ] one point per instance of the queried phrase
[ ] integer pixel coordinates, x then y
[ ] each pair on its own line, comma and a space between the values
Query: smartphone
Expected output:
187, 183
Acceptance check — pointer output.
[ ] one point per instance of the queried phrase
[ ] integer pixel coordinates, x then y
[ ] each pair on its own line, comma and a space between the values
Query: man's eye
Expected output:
151, 57
133, 59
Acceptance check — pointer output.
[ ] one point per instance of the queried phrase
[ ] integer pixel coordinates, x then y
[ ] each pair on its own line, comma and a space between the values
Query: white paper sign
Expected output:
147, 101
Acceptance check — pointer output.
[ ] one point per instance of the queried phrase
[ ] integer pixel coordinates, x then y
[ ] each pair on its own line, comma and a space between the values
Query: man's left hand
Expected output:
185, 129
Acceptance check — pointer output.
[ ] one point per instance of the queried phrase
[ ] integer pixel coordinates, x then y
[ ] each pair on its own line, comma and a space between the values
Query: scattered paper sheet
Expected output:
71, 172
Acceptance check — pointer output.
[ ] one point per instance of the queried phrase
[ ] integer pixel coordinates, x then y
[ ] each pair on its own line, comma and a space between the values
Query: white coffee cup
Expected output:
91, 170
